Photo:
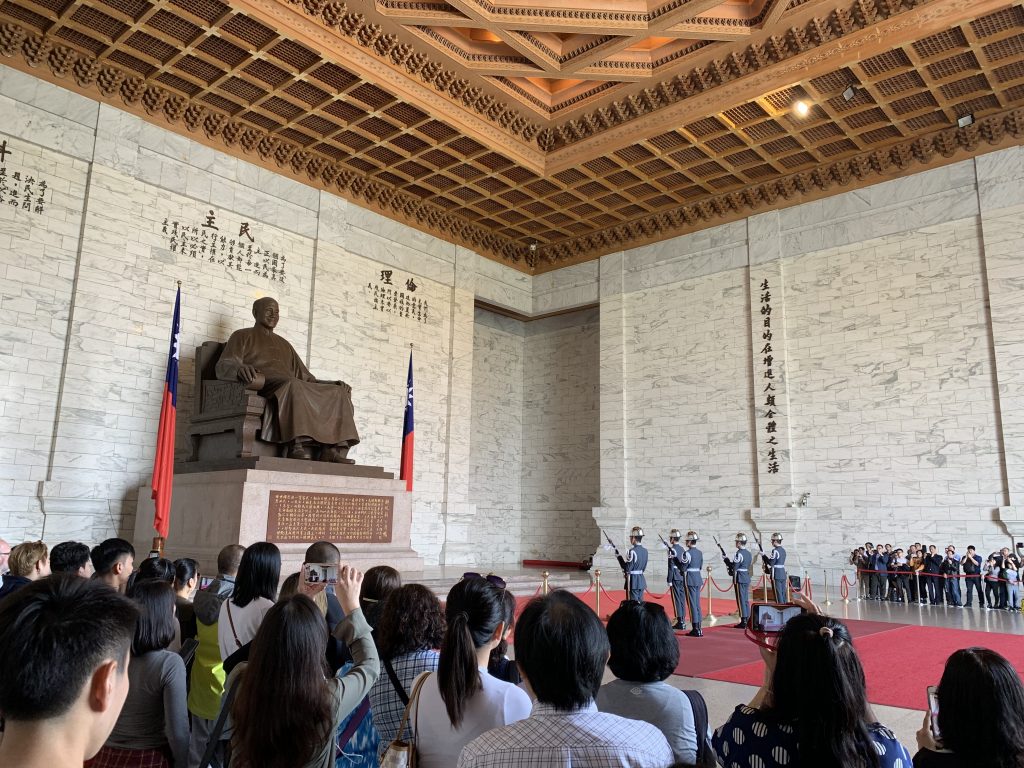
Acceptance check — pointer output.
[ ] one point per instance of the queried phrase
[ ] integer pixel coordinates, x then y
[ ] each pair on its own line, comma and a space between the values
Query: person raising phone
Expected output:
980, 701
812, 709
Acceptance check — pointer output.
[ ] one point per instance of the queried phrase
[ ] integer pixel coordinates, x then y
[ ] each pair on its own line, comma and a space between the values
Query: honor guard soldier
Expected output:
777, 560
636, 563
675, 577
693, 560
740, 565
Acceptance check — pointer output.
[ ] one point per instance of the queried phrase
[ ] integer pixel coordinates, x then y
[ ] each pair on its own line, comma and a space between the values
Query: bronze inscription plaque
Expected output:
344, 518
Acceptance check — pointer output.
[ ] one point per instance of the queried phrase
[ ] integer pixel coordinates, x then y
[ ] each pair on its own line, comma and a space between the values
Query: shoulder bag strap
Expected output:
218, 729
396, 683
231, 621
700, 722
408, 707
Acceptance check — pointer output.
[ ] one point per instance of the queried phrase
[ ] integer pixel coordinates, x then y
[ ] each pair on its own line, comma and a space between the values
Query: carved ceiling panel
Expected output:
542, 136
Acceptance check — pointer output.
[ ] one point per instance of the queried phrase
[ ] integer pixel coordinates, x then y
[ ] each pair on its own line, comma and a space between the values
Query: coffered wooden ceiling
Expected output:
542, 134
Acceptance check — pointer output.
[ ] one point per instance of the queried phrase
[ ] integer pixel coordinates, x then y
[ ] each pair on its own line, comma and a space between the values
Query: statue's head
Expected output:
267, 312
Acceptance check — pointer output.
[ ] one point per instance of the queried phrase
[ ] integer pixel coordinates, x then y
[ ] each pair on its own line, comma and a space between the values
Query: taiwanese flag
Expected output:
405, 473
163, 465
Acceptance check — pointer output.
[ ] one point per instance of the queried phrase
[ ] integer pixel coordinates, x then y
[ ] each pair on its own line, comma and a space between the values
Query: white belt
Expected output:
636, 573
693, 570
779, 566
741, 569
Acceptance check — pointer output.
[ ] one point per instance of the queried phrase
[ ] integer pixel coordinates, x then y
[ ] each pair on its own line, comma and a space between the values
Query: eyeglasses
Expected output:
490, 577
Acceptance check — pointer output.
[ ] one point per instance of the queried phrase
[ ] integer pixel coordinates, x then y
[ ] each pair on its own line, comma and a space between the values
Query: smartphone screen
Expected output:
770, 618
205, 581
320, 573
933, 708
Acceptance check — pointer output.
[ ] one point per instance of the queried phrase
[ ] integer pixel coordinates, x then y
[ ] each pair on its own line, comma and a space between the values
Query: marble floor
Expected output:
722, 697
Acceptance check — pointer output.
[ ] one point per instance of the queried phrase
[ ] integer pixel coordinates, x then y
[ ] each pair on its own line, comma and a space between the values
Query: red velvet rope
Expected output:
844, 587
924, 575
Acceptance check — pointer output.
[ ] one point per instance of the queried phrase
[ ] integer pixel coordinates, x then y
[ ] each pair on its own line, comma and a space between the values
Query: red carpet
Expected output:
900, 661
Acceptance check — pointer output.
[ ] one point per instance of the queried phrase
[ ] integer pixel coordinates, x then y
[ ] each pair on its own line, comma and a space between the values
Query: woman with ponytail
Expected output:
462, 700
813, 709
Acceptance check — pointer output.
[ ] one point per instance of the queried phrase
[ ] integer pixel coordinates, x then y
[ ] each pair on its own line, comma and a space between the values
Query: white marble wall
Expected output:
496, 459
561, 463
88, 309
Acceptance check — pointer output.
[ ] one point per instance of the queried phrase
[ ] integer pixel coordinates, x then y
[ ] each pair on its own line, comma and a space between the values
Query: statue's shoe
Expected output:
335, 455
300, 452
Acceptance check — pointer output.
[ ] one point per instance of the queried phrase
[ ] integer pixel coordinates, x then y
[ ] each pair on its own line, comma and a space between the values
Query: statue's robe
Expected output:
298, 404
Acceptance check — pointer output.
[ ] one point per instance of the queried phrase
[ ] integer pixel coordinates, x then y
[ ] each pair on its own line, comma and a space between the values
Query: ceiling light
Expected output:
964, 121
801, 108
533, 247
849, 93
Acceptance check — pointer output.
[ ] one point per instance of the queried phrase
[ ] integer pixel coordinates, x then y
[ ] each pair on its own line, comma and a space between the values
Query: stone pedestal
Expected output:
213, 506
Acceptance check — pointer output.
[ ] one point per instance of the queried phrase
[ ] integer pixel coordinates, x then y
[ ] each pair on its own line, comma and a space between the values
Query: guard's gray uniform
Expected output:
675, 582
636, 562
693, 559
777, 558
741, 581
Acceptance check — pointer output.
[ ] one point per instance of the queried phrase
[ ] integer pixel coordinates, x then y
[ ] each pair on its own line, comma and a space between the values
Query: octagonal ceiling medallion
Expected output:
551, 57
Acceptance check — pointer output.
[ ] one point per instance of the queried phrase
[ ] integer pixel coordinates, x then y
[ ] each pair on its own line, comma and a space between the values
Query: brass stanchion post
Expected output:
597, 592
544, 586
710, 615
824, 578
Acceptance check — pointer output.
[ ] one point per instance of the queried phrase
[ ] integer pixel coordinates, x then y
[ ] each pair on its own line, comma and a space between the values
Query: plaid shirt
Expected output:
385, 703
552, 738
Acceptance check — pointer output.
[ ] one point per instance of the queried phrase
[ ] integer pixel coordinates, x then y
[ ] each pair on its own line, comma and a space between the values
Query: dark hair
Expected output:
68, 557
322, 552
54, 633
154, 569
107, 553
229, 558
818, 688
282, 711
411, 620
474, 609
378, 582
980, 703
155, 630
258, 573
643, 645
499, 651
185, 569
561, 648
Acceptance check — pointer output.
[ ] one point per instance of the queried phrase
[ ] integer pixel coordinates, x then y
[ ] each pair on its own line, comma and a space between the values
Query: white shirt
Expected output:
246, 621
583, 738
497, 704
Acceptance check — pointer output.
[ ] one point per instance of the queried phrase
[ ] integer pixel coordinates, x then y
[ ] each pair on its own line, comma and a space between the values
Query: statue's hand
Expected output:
247, 374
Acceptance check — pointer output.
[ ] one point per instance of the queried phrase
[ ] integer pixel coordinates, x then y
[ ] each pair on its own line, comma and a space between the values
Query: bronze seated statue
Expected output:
255, 397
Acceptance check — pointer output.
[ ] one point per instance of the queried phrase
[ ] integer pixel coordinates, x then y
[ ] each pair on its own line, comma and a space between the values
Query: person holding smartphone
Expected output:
812, 709
974, 718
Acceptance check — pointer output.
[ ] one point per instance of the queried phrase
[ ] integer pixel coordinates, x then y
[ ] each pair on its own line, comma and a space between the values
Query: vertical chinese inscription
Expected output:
297, 517
768, 377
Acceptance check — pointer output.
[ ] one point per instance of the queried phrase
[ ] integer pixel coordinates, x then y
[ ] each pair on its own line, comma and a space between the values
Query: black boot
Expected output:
679, 625
696, 631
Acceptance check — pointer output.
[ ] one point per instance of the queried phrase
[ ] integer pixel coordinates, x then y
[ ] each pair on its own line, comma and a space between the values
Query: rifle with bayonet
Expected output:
622, 562
766, 564
672, 556
729, 564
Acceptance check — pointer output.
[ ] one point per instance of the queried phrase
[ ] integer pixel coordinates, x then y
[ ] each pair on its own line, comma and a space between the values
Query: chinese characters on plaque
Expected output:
20, 188
768, 377
296, 518
396, 295
216, 242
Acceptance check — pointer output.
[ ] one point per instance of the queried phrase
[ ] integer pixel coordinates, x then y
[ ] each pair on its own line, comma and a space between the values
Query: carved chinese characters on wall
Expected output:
234, 245
396, 295
297, 518
770, 448
20, 188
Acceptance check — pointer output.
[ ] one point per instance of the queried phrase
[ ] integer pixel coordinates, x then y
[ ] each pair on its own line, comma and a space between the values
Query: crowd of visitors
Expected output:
140, 668
920, 574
